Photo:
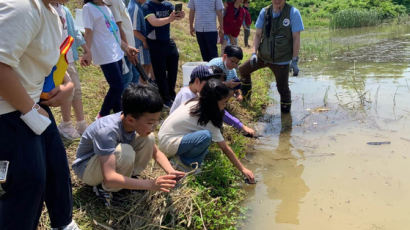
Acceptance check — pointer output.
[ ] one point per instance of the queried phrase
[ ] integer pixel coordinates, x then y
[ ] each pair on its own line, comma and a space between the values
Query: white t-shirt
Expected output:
120, 13
183, 96
180, 123
104, 48
30, 41
63, 18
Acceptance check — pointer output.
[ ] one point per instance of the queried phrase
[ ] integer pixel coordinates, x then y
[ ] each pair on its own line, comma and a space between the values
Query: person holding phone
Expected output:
204, 13
159, 14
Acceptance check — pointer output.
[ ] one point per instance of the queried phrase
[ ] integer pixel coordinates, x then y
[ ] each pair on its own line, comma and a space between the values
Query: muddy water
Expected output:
341, 159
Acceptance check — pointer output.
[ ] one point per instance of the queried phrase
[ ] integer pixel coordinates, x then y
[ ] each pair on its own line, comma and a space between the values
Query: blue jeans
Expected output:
113, 75
132, 76
38, 172
194, 147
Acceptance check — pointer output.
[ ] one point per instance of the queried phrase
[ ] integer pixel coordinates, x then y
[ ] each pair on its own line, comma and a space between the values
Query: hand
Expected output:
180, 15
254, 59
248, 130
178, 174
239, 97
221, 32
192, 31
59, 95
163, 183
294, 66
172, 17
145, 44
85, 60
249, 175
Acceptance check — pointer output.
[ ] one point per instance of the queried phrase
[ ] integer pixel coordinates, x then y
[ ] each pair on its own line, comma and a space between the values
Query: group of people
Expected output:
115, 148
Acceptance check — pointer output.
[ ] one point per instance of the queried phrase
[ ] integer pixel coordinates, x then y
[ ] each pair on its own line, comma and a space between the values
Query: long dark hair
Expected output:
207, 108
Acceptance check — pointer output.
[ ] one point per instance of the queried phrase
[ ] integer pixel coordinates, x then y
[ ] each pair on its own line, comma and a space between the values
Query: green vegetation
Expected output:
355, 18
320, 12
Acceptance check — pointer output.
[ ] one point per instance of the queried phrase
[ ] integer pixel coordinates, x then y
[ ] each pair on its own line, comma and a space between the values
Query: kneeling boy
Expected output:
116, 148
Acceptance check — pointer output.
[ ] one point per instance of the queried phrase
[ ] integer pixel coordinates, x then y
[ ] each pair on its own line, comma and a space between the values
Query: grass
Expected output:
209, 200
355, 18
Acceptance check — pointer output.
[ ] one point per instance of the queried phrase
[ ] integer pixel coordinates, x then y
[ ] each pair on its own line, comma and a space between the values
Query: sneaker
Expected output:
81, 126
71, 226
103, 195
178, 165
67, 130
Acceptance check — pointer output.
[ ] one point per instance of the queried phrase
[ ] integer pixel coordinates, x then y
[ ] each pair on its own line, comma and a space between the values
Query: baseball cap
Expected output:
202, 72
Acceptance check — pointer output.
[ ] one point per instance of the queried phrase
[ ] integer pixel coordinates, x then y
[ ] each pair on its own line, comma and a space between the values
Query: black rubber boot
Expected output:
246, 91
285, 107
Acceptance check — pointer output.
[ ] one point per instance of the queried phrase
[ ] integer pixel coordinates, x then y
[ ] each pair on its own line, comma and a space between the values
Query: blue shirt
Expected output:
138, 20
160, 10
295, 22
230, 74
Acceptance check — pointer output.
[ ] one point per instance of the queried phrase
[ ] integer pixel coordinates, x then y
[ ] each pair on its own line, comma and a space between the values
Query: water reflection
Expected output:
288, 185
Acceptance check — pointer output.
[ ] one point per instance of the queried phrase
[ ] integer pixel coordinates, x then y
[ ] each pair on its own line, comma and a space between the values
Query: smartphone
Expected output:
178, 7
4, 166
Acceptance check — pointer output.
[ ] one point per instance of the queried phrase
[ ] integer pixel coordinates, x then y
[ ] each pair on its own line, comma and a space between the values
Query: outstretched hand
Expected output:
163, 183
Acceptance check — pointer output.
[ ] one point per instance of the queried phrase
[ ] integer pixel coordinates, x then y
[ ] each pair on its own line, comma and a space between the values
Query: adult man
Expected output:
38, 170
204, 13
276, 45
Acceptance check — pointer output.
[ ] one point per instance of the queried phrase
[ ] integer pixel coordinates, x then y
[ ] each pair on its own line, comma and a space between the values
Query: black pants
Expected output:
164, 58
38, 172
246, 33
113, 75
207, 44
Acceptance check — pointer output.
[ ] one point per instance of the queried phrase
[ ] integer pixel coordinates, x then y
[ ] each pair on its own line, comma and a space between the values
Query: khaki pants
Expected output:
130, 159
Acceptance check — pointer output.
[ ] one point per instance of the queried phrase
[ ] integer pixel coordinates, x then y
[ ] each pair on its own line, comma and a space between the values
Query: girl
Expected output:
189, 130
66, 128
103, 38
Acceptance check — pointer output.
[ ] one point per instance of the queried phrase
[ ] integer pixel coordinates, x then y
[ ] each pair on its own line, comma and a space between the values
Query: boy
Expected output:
199, 76
115, 149
228, 62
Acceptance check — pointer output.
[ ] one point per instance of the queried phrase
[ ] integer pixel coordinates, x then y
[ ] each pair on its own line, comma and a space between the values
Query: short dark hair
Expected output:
87, 1
139, 99
233, 51
207, 108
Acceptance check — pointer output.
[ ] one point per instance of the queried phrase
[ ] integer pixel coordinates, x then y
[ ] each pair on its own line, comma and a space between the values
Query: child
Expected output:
66, 128
103, 38
189, 130
115, 149
199, 76
247, 21
140, 34
164, 54
228, 62
233, 19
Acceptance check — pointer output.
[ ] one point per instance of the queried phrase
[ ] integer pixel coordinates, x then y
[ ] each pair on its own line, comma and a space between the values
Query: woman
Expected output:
189, 130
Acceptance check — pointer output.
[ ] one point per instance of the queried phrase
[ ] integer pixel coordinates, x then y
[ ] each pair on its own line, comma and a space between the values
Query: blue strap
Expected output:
109, 21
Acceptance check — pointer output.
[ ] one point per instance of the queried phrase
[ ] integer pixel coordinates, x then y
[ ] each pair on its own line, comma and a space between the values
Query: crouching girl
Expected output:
189, 130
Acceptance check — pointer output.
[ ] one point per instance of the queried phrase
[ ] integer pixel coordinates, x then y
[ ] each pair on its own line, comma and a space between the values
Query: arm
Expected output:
221, 22
257, 40
86, 58
60, 94
13, 92
232, 157
191, 21
112, 179
296, 43
232, 121
157, 22
141, 37
122, 33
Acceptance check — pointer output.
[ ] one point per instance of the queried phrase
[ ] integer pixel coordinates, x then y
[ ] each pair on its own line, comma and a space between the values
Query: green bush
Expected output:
355, 18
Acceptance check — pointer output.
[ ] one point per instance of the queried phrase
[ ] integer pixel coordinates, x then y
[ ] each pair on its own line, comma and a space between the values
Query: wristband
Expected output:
35, 121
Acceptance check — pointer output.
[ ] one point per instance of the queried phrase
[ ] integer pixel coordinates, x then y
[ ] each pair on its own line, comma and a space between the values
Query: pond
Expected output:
341, 159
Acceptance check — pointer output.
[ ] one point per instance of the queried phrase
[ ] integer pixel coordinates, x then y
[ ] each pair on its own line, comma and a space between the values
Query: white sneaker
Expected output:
67, 130
71, 226
81, 126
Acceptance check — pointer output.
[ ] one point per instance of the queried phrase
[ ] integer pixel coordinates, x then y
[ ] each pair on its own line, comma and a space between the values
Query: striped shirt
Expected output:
205, 14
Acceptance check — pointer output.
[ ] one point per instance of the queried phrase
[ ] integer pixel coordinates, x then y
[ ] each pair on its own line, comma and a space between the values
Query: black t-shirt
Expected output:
160, 10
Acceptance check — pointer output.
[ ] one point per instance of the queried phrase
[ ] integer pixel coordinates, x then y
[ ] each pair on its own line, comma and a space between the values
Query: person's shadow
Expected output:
287, 184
